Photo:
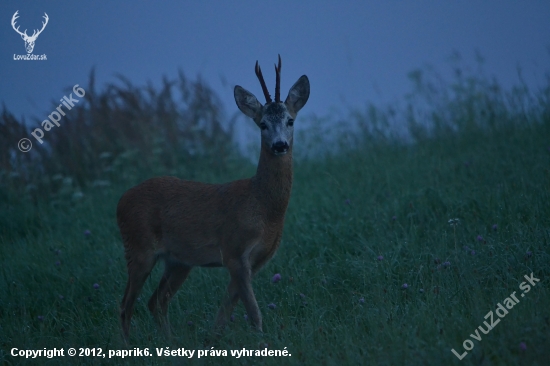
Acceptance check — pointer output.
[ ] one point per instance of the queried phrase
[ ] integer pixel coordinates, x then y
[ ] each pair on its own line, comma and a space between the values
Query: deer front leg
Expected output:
228, 304
242, 277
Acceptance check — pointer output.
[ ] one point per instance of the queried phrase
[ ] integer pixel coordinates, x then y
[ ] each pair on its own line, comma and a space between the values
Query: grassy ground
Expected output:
372, 271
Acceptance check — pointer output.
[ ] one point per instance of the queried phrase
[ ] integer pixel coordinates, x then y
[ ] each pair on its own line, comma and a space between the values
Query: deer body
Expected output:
237, 225
185, 229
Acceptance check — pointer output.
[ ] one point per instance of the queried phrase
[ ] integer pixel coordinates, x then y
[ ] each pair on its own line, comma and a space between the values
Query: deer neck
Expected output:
273, 182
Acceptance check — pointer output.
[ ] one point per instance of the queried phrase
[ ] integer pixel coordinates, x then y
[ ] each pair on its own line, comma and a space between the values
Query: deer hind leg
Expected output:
172, 279
241, 274
139, 267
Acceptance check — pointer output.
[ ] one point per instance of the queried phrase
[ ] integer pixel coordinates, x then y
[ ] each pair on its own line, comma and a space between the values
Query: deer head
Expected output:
29, 41
275, 118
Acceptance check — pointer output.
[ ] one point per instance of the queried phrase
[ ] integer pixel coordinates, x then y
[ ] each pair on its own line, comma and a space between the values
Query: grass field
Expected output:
372, 272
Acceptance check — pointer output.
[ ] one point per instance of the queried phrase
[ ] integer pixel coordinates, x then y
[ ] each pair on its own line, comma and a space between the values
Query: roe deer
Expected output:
237, 225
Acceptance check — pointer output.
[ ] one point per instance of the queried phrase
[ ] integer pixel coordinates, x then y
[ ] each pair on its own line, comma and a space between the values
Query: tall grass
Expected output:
362, 222
121, 131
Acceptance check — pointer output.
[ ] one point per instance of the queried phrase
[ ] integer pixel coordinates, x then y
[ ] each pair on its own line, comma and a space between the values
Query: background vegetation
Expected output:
372, 271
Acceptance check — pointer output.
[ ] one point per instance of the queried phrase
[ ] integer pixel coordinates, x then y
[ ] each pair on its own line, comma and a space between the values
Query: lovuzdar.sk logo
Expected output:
29, 40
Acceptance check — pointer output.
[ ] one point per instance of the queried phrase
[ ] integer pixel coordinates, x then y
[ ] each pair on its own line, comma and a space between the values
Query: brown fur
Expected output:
237, 225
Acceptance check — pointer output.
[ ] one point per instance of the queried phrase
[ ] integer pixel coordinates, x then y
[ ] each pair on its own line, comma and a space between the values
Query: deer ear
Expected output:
247, 102
298, 95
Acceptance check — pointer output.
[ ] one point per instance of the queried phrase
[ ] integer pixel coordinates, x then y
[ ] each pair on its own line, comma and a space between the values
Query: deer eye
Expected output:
290, 122
263, 126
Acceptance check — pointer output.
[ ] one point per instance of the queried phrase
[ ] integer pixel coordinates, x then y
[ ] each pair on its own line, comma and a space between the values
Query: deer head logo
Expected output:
29, 41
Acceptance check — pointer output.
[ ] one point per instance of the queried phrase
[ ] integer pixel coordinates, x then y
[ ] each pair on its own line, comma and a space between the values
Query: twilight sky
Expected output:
352, 51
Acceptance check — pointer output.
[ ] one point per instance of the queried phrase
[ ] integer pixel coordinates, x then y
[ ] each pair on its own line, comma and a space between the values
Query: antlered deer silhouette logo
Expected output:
29, 41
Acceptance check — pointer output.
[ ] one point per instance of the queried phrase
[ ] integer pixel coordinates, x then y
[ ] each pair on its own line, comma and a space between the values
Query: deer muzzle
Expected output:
280, 147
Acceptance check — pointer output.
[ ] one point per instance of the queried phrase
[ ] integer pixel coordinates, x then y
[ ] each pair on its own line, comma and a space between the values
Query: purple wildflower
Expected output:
276, 278
479, 238
245, 317
41, 318
523, 346
302, 296
529, 254
393, 218
96, 286
405, 286
362, 300
473, 252
232, 318
421, 290
190, 323
57, 263
272, 306
380, 257
494, 227
61, 297
447, 264
87, 233
348, 201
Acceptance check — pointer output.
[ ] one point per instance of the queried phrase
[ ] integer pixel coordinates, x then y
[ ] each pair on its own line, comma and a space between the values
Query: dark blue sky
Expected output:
352, 51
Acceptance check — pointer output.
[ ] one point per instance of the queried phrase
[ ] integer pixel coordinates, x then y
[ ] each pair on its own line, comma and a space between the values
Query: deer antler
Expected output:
43, 26
278, 81
262, 82
15, 16
24, 34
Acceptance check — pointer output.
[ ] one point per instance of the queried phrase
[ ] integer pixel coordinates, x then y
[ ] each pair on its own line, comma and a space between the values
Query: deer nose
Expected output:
280, 147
